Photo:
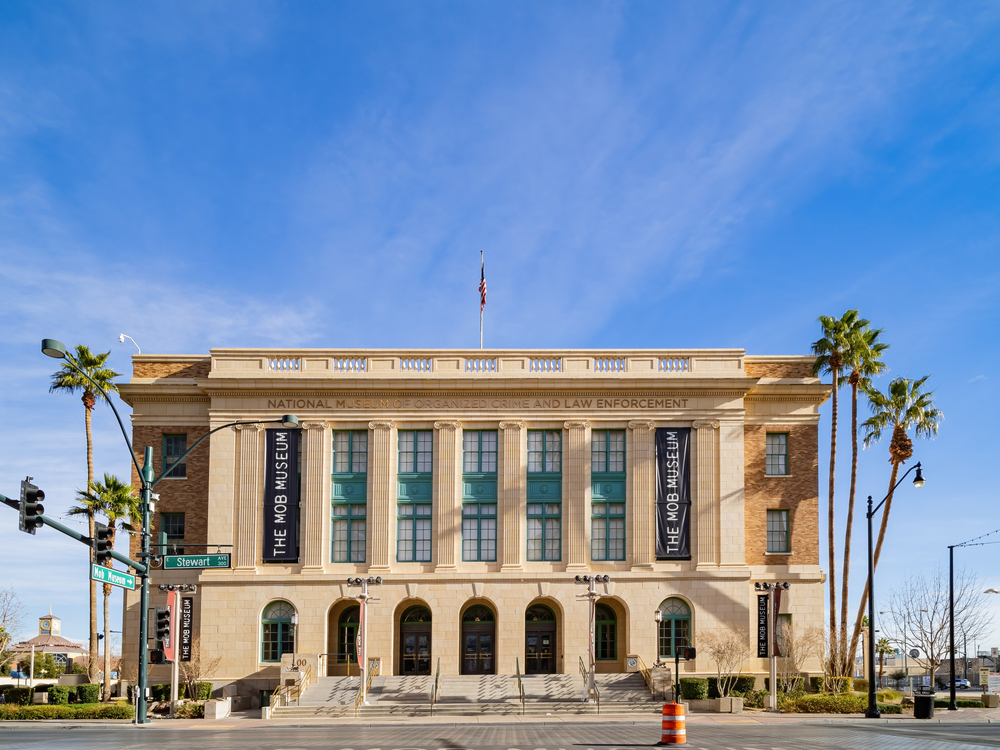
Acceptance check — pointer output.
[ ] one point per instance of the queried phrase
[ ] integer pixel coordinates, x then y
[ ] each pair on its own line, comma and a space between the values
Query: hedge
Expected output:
88, 693
827, 704
751, 698
190, 711
119, 710
743, 684
817, 684
17, 696
204, 691
785, 686
160, 692
694, 688
860, 685
960, 703
840, 684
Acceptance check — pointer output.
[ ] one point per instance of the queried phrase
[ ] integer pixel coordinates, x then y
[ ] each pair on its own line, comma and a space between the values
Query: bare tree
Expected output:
11, 620
925, 602
729, 648
200, 666
796, 645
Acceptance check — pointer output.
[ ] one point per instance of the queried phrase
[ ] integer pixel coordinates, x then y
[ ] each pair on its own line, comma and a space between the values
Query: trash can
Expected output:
923, 706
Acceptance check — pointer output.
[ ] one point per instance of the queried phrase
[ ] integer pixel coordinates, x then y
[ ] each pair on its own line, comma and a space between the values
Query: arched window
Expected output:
276, 633
347, 635
539, 613
675, 627
478, 613
606, 635
416, 613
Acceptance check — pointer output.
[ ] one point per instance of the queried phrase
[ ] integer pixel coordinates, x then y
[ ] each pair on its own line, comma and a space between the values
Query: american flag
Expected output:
482, 283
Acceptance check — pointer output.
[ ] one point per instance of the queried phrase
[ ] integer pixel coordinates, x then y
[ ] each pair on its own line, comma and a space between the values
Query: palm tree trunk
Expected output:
107, 643
845, 657
878, 552
92, 657
830, 537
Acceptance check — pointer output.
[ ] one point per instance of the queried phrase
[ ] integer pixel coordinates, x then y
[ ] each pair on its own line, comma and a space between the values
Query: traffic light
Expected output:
102, 547
30, 507
686, 652
163, 624
156, 656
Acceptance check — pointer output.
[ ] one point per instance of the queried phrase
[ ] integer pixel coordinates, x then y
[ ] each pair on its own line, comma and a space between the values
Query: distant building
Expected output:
48, 641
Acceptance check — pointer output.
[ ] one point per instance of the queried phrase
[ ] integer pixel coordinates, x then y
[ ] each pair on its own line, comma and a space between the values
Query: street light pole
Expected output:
952, 706
918, 481
592, 596
361, 645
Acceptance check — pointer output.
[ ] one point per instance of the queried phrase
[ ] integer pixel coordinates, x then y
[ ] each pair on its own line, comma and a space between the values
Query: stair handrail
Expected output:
647, 675
283, 694
435, 688
520, 683
372, 669
586, 677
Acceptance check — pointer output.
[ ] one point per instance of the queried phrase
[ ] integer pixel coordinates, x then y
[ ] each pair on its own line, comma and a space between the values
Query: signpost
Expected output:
106, 575
189, 562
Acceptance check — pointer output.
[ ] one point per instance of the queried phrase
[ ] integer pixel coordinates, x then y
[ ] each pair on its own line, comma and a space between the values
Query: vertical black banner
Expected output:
186, 616
281, 496
673, 493
761, 626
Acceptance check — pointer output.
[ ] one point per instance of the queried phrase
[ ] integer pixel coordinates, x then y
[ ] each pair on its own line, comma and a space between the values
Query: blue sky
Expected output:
638, 174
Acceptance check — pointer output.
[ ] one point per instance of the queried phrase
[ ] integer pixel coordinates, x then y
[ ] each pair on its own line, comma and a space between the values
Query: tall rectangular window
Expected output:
607, 511
479, 452
544, 526
349, 509
414, 507
778, 537
607, 531
777, 454
607, 451
479, 532
174, 446
172, 524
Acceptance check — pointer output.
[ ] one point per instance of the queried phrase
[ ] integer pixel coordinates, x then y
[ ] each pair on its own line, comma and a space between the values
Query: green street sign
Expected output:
181, 562
106, 575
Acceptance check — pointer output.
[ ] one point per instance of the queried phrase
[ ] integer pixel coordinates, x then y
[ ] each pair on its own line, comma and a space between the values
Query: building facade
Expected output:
478, 485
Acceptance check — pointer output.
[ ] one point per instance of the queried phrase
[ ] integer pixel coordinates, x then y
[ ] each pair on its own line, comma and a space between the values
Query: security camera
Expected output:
378, 580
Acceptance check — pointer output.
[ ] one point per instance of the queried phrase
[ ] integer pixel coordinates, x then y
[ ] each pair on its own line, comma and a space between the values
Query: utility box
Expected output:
632, 663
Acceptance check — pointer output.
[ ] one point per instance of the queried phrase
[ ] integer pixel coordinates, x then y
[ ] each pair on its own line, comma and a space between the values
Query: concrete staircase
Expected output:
468, 695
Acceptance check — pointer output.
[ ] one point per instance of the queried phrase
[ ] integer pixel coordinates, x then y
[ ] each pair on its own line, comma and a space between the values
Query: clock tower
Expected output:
49, 625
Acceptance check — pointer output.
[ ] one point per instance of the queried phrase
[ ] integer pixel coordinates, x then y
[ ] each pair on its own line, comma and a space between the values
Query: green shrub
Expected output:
88, 693
160, 692
743, 683
59, 695
694, 688
792, 685
961, 703
751, 698
839, 685
204, 692
18, 696
887, 694
860, 686
119, 710
827, 704
890, 708
816, 684
190, 711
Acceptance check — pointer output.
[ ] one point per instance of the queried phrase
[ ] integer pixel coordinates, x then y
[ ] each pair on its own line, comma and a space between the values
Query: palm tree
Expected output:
117, 502
882, 648
830, 359
68, 380
862, 356
904, 407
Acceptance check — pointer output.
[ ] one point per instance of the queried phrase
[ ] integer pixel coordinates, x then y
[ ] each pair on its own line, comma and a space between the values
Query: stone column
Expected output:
707, 497
382, 493
576, 503
448, 493
643, 471
513, 482
315, 515
732, 524
247, 496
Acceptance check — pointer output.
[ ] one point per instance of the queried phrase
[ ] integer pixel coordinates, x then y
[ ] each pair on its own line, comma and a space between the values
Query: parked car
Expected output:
960, 684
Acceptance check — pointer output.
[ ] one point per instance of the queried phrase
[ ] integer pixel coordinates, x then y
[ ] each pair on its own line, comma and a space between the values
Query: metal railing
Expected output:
283, 695
646, 675
372, 669
436, 686
520, 683
586, 680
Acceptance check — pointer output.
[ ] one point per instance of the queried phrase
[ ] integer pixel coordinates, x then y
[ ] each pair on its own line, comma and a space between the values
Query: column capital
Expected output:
711, 423
447, 424
256, 426
381, 424
513, 424
637, 424
315, 425
577, 424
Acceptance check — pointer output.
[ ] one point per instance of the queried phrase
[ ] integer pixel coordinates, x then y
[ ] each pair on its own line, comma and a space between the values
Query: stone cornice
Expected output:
447, 424
513, 424
381, 424
578, 424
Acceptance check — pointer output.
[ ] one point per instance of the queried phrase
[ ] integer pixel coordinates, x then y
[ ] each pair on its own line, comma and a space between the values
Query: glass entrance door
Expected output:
477, 653
538, 648
415, 655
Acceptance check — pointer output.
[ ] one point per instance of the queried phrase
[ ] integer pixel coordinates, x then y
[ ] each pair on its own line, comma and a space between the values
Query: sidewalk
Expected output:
240, 721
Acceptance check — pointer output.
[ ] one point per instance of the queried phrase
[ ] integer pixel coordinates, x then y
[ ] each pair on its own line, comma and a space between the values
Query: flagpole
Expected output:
482, 267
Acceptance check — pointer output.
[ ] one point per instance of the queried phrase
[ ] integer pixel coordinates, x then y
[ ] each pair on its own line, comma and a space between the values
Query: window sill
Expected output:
780, 554
171, 479
778, 476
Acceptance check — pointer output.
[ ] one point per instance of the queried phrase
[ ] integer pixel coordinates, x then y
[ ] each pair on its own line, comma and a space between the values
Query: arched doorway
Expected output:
415, 641
675, 627
605, 635
479, 640
539, 640
347, 638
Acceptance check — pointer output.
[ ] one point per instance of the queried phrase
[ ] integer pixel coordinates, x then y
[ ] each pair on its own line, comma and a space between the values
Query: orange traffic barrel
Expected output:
673, 725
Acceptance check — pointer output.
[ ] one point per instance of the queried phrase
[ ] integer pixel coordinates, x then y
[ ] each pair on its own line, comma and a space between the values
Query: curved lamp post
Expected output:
918, 481
57, 350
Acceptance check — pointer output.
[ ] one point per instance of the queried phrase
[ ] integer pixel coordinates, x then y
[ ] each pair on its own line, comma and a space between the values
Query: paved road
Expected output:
578, 736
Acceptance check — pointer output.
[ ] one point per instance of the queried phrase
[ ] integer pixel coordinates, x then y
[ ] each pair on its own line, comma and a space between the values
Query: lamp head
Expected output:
991, 591
121, 338
918, 480
295, 618
658, 616
786, 585
378, 580
53, 348
578, 579
607, 578
290, 421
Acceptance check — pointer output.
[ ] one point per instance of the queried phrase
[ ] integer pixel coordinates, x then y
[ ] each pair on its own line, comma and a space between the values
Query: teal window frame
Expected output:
171, 452
349, 516
414, 514
602, 458
283, 639
607, 516
605, 647
544, 532
776, 463
416, 518
169, 525
607, 513
420, 455
492, 455
477, 518
675, 626
779, 524
544, 509
347, 635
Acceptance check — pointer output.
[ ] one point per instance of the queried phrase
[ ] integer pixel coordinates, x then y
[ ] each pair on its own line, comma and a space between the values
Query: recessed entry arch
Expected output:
542, 641
414, 645
478, 638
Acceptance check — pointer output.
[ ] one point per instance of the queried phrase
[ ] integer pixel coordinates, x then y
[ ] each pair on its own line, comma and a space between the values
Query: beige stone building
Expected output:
478, 485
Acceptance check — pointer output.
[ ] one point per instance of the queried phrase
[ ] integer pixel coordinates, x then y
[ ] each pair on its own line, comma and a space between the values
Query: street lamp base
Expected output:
873, 713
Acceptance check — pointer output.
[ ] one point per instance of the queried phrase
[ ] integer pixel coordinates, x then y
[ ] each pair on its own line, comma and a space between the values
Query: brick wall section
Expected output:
172, 369
798, 492
778, 369
188, 496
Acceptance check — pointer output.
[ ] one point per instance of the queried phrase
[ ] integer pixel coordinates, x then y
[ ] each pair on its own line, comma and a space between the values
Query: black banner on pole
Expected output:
281, 496
673, 493
186, 617
761, 626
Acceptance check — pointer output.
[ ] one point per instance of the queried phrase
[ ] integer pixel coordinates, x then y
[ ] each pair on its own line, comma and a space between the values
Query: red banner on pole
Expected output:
170, 644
